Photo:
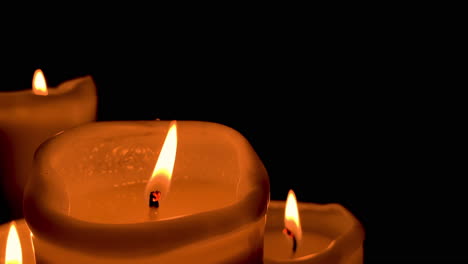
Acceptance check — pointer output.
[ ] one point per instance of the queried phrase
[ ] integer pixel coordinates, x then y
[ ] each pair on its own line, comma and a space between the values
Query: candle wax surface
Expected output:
126, 204
278, 246
116, 173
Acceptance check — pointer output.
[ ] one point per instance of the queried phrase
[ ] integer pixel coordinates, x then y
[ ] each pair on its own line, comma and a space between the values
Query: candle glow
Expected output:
13, 254
161, 177
39, 85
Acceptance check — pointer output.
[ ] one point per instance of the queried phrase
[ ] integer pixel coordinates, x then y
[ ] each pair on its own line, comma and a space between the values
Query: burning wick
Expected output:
290, 234
154, 199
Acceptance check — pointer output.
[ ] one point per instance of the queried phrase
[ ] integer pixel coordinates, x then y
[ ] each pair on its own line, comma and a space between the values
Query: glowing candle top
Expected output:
27, 118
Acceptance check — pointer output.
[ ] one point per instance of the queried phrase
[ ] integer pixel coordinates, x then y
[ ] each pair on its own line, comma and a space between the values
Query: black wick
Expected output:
154, 199
290, 234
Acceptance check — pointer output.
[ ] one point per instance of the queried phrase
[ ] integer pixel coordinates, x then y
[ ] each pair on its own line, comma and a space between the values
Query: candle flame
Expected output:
291, 216
39, 85
161, 178
13, 254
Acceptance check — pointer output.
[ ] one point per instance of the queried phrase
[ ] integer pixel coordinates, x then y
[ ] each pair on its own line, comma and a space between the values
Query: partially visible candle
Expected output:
330, 235
29, 117
16, 244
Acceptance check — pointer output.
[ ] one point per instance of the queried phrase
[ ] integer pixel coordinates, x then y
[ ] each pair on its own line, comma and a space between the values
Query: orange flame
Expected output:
161, 178
39, 85
291, 216
13, 254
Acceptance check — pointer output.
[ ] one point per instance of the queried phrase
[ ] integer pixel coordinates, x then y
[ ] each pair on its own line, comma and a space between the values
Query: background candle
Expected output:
330, 235
25, 239
84, 202
26, 120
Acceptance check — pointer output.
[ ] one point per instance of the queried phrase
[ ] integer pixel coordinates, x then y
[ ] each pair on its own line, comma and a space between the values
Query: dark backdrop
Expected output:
337, 119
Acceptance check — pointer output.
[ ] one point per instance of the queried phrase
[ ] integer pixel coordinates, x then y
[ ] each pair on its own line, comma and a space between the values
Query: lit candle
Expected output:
311, 233
16, 243
29, 117
88, 199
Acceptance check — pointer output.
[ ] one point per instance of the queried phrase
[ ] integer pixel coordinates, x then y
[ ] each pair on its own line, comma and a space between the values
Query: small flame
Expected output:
291, 216
39, 85
13, 254
161, 178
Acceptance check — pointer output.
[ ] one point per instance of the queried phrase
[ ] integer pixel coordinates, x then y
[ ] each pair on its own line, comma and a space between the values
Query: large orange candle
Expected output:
87, 201
27, 118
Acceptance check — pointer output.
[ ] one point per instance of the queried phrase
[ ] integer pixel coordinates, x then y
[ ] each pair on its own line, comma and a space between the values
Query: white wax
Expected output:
25, 239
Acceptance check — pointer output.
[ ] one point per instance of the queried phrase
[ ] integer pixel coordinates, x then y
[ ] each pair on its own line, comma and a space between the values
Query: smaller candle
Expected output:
323, 233
29, 117
16, 243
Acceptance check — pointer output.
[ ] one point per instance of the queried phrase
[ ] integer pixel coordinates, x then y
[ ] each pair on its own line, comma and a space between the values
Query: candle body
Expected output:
107, 206
26, 120
25, 239
330, 235
237, 247
85, 203
278, 246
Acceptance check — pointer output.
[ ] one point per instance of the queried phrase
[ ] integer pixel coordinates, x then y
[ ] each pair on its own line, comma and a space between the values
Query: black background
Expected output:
346, 116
